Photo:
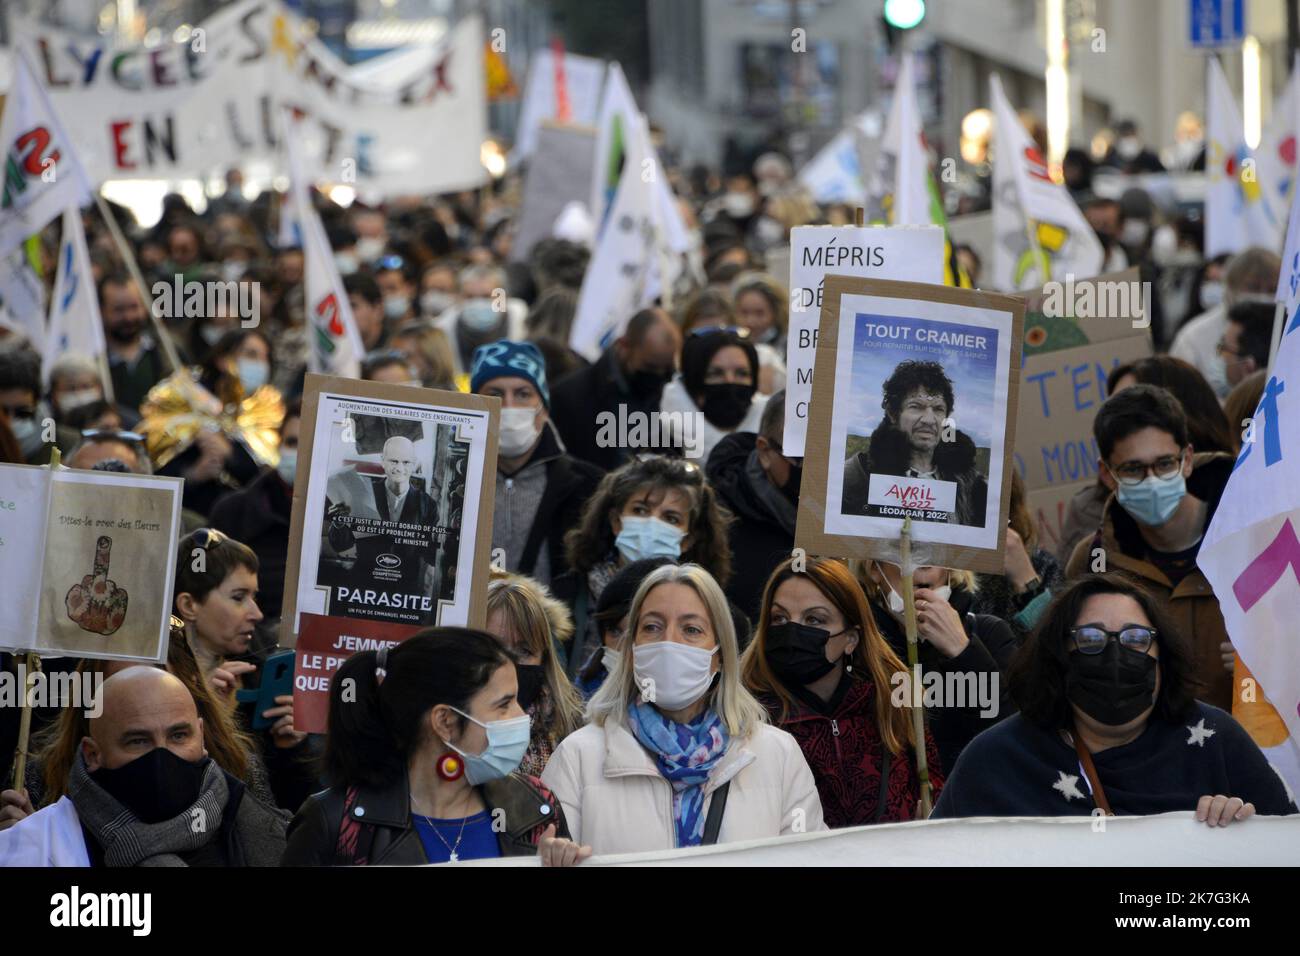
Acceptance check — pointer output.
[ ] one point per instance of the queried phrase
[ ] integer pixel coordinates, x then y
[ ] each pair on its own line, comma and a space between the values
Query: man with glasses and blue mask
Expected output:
1164, 494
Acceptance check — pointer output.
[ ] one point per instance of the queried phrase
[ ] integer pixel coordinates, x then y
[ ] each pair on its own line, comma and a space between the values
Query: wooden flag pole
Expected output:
128, 258
32, 665
914, 665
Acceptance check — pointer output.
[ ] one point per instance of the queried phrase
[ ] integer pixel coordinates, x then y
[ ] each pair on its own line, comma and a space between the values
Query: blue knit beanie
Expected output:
507, 359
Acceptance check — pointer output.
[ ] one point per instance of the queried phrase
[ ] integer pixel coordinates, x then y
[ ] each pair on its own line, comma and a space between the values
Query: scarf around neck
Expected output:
685, 754
127, 841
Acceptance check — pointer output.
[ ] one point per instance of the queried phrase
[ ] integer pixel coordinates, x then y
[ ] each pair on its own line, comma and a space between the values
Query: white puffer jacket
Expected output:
616, 801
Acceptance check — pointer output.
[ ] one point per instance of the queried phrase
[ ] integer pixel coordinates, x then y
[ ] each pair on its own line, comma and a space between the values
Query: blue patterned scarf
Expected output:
685, 754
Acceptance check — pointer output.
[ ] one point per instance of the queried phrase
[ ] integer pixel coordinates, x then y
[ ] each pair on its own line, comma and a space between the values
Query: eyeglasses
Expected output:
1092, 639
111, 434
1134, 472
688, 470
739, 330
1222, 349
208, 537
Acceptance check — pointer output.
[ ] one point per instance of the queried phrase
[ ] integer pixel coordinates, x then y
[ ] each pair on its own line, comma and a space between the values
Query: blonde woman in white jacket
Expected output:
677, 752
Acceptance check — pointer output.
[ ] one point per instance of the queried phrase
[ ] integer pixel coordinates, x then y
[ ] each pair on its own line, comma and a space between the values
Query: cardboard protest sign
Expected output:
88, 559
323, 646
1076, 333
912, 415
559, 172
392, 508
912, 253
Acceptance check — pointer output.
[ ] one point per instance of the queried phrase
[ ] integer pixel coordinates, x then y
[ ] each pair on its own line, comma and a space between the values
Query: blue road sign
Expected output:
1217, 22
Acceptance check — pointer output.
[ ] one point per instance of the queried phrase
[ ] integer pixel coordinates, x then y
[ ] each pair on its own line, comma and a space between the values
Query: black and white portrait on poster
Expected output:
392, 509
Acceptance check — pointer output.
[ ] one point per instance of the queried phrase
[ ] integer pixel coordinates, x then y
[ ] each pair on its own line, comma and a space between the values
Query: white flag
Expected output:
75, 324
334, 344
618, 122
22, 294
1237, 214
1040, 234
1276, 154
42, 175
579, 77
899, 193
1251, 551
618, 282
834, 174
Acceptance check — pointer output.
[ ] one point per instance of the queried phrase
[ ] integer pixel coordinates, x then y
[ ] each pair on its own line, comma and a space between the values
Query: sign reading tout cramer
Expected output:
912, 417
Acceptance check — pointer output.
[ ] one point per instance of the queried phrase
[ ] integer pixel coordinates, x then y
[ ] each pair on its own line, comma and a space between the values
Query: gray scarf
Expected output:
129, 842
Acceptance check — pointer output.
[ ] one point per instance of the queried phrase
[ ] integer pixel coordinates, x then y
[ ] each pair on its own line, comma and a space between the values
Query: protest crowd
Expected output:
658, 664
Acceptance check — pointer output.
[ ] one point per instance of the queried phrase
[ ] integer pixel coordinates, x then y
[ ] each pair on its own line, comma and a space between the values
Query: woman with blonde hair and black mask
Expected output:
522, 614
820, 666
678, 753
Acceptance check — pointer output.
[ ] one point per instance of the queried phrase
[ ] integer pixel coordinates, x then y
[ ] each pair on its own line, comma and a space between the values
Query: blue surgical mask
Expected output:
649, 538
1153, 500
288, 465
253, 374
28, 434
507, 742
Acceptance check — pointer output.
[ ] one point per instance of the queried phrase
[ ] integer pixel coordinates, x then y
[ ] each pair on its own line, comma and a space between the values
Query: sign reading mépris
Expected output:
914, 253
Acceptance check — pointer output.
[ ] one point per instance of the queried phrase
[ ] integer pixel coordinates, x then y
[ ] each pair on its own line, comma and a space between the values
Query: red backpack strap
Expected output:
355, 838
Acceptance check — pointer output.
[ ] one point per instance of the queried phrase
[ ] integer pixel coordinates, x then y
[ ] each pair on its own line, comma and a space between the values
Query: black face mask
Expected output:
725, 405
797, 653
531, 679
1112, 687
155, 787
791, 487
126, 332
649, 381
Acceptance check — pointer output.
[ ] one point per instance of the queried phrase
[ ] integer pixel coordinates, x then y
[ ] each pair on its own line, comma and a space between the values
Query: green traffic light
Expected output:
904, 14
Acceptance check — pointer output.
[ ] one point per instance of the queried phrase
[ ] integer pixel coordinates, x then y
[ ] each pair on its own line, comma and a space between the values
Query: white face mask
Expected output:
1211, 294
288, 466
395, 306
346, 263
369, 248
672, 676
434, 303
78, 398
610, 659
518, 431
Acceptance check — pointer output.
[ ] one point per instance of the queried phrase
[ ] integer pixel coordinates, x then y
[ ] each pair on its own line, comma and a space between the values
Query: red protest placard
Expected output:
324, 643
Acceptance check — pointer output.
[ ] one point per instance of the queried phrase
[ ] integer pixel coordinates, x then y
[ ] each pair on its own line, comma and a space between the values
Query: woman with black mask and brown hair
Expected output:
827, 676
423, 758
719, 379
1108, 720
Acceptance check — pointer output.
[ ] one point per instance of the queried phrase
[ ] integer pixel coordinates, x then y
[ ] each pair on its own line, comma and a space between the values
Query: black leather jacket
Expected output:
380, 830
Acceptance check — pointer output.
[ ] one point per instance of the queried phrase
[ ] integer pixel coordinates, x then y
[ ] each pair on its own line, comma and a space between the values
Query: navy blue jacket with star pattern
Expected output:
1017, 768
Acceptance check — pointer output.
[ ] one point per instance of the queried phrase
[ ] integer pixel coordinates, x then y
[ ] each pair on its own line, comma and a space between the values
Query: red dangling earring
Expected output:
450, 767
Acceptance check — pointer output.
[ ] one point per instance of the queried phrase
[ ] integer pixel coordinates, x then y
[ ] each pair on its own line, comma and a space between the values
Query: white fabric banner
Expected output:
834, 174
901, 187
621, 278
582, 80
1237, 214
75, 324
1276, 154
1251, 551
1169, 839
1039, 231
335, 346
42, 174
196, 107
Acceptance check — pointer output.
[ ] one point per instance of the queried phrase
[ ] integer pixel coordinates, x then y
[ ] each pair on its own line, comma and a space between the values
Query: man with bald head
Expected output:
407, 516
143, 792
